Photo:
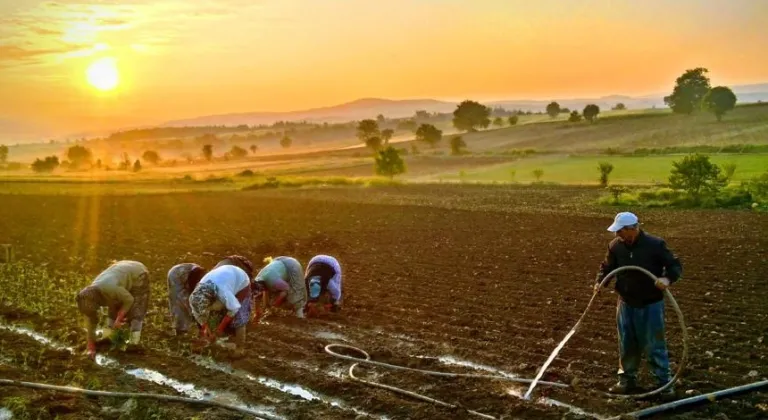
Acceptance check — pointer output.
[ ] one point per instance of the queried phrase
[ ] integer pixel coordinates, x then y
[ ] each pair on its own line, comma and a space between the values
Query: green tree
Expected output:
79, 156
366, 129
47, 165
208, 152
697, 176
136, 166
3, 153
619, 107
729, 169
512, 120
590, 112
151, 156
471, 115
286, 141
429, 134
719, 100
238, 152
387, 134
389, 163
538, 173
457, 145
553, 109
574, 117
690, 89
605, 169
498, 122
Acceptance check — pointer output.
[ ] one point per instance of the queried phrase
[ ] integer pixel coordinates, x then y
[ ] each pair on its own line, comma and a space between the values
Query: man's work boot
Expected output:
623, 388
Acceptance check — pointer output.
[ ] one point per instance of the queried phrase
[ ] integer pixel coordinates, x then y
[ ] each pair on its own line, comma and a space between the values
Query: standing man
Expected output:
640, 312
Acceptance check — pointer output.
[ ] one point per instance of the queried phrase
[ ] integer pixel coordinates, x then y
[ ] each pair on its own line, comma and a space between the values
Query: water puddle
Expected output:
291, 389
452, 361
186, 389
328, 335
516, 392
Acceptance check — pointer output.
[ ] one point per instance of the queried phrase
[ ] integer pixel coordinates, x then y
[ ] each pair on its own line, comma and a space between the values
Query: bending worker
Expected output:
640, 313
182, 280
283, 278
225, 291
124, 289
323, 277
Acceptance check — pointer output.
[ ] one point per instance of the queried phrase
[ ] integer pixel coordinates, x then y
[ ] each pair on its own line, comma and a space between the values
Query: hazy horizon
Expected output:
76, 66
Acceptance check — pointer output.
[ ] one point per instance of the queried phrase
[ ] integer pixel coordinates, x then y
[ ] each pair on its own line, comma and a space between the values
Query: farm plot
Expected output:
486, 287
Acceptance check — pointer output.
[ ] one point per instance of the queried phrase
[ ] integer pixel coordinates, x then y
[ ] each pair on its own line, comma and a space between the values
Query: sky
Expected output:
183, 58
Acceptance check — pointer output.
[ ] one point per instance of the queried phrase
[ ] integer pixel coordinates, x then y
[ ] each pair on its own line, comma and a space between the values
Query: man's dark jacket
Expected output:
649, 252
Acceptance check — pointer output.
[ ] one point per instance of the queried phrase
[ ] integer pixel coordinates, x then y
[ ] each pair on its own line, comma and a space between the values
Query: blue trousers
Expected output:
641, 331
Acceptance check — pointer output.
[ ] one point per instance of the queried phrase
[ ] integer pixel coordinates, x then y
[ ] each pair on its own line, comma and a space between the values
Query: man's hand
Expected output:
662, 283
596, 288
119, 320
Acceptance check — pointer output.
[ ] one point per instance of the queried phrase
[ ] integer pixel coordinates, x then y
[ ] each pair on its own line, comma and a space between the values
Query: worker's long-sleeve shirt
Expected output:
122, 282
221, 284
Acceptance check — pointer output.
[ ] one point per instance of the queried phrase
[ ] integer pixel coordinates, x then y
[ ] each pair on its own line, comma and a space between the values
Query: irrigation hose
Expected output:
675, 306
162, 397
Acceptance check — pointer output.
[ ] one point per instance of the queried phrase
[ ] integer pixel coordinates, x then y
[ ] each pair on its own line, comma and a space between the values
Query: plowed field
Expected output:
435, 277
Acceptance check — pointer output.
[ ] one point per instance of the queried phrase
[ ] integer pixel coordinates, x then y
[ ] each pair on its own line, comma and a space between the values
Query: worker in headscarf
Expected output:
282, 281
182, 280
238, 261
323, 278
224, 291
124, 289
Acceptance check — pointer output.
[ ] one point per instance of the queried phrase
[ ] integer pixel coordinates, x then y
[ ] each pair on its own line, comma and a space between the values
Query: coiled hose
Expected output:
675, 306
161, 397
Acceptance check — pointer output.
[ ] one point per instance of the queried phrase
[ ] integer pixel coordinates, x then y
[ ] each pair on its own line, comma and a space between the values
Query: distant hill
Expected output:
355, 110
371, 107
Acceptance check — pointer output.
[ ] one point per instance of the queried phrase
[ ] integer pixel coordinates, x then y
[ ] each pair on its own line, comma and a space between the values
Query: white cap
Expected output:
622, 219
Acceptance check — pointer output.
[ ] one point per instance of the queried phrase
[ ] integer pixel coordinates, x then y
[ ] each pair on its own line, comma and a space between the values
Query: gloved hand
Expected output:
119, 320
596, 288
279, 301
204, 333
91, 352
662, 283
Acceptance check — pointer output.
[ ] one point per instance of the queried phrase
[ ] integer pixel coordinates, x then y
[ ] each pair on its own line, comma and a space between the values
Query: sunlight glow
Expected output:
103, 74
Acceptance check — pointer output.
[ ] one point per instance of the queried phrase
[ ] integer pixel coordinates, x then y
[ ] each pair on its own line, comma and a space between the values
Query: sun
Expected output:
103, 74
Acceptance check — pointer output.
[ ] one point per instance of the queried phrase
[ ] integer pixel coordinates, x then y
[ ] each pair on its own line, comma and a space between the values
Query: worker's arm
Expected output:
608, 265
126, 302
673, 269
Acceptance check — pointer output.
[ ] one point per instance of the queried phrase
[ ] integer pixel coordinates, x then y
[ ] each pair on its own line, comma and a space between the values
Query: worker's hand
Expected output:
596, 288
662, 283
119, 321
91, 350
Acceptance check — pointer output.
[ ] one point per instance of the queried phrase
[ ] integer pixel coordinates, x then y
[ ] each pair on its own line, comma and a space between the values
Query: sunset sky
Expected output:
184, 58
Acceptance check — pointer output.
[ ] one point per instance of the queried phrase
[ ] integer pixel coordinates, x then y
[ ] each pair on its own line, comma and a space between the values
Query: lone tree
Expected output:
389, 163
429, 134
512, 120
47, 165
3, 153
574, 117
381, 119
254, 148
498, 122
366, 129
538, 173
590, 112
238, 152
286, 142
79, 156
689, 91
471, 115
387, 134
151, 157
457, 145
136, 166
208, 152
619, 107
605, 169
697, 176
553, 109
719, 100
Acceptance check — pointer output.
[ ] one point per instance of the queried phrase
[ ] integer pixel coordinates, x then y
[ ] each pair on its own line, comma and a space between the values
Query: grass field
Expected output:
583, 169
